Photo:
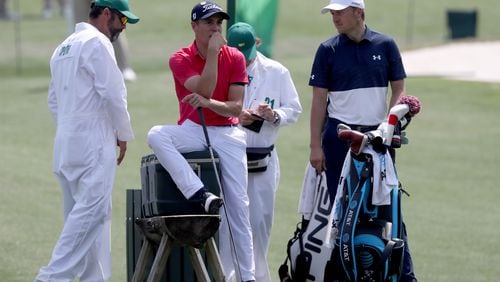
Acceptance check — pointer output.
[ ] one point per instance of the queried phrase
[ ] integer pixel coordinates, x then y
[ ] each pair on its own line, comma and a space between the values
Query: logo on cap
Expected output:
209, 6
206, 9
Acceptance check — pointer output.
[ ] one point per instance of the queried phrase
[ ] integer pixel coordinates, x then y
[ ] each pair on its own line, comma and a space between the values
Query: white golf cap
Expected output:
338, 5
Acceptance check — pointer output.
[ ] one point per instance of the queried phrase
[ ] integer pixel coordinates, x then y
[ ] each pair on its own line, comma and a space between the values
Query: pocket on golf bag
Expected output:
376, 259
300, 259
308, 259
292, 247
333, 268
258, 158
396, 258
368, 254
302, 267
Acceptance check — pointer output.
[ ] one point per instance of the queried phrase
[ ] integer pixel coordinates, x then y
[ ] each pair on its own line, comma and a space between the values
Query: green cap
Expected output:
242, 36
121, 6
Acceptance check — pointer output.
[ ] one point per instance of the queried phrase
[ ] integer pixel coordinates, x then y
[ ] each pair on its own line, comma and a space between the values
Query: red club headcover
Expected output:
412, 102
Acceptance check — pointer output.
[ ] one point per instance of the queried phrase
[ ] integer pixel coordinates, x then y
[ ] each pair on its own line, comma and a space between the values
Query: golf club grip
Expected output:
204, 125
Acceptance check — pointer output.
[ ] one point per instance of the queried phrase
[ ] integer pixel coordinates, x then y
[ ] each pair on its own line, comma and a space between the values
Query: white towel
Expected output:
384, 177
308, 193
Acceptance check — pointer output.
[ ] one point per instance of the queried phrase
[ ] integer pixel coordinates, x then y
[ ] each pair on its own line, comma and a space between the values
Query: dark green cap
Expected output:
242, 36
121, 6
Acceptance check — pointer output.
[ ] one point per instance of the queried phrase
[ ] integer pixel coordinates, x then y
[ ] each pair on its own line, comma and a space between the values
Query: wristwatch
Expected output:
276, 118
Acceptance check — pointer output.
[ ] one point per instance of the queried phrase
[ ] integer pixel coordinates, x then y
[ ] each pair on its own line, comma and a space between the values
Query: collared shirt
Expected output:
187, 62
357, 76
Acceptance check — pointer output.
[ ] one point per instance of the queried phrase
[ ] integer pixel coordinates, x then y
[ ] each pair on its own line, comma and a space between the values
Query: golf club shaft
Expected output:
205, 131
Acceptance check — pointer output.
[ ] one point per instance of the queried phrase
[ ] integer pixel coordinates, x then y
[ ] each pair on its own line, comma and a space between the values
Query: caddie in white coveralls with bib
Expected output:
87, 99
270, 94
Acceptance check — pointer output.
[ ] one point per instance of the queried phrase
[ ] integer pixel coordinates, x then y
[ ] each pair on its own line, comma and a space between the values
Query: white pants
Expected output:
84, 246
169, 141
262, 187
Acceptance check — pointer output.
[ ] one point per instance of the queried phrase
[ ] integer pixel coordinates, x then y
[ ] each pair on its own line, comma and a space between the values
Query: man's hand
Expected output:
317, 159
196, 100
266, 112
216, 41
247, 117
123, 148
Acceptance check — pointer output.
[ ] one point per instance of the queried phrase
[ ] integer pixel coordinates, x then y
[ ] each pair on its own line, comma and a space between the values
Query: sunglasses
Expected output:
123, 19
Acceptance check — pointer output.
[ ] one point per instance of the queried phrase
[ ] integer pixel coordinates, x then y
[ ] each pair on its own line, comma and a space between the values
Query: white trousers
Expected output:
84, 246
169, 141
262, 187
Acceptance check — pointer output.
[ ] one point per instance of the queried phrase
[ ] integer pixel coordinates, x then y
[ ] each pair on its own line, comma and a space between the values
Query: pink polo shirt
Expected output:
186, 63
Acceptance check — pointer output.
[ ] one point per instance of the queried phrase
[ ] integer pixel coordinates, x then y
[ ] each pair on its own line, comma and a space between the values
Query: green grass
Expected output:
450, 167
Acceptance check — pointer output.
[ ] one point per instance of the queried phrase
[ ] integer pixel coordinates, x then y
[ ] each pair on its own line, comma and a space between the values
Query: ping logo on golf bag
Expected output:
310, 248
323, 210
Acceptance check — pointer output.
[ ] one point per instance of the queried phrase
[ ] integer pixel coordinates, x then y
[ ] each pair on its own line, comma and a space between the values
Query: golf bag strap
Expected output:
386, 253
283, 269
348, 226
297, 235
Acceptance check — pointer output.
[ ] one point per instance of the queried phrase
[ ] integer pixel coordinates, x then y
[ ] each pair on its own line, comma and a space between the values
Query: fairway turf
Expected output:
450, 167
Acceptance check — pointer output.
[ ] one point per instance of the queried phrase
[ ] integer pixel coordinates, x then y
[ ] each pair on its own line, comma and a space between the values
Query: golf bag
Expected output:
362, 231
351, 239
369, 244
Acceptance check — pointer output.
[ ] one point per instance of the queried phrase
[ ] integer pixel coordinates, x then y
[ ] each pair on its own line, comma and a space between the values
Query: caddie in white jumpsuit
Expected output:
272, 95
87, 99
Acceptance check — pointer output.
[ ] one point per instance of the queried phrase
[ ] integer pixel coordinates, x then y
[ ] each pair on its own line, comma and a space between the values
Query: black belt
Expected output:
362, 128
357, 127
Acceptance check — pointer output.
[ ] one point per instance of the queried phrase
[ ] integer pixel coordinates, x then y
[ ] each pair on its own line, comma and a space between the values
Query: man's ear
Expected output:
107, 11
359, 12
258, 41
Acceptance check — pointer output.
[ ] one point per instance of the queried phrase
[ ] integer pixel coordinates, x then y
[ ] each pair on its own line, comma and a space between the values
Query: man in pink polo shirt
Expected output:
210, 75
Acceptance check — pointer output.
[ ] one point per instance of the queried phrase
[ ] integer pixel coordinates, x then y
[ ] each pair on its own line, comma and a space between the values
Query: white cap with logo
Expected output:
338, 5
